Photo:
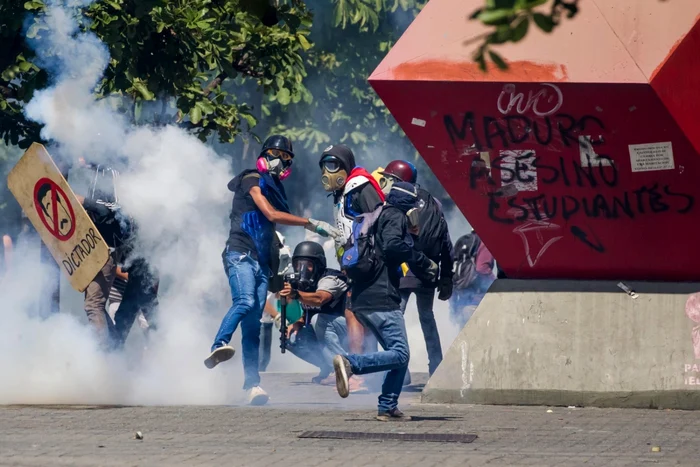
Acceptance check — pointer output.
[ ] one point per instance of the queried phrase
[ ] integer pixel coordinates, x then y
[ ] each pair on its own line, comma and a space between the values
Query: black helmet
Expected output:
309, 263
341, 153
277, 142
311, 250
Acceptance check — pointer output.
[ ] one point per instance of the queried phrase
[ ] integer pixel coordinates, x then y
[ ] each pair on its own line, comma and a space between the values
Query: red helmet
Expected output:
403, 170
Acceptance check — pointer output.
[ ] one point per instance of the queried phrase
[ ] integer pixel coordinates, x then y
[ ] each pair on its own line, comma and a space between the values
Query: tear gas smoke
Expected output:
175, 191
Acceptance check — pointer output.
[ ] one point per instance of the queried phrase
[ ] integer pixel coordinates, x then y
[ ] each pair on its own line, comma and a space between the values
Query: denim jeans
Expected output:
424, 302
248, 282
140, 295
332, 334
266, 330
306, 346
390, 330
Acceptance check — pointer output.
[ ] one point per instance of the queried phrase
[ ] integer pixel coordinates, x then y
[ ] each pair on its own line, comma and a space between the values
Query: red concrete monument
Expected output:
580, 161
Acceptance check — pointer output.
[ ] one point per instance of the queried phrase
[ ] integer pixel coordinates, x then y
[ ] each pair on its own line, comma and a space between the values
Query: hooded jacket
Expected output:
395, 245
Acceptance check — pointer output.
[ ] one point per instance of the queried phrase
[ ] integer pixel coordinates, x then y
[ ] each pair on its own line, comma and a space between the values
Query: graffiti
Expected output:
579, 233
549, 96
484, 133
538, 228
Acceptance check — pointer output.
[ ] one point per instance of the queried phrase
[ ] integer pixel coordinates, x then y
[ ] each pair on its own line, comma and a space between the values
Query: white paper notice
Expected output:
519, 169
653, 156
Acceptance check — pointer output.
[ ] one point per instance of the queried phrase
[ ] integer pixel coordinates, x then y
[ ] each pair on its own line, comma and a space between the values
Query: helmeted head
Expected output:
309, 262
276, 157
337, 161
397, 171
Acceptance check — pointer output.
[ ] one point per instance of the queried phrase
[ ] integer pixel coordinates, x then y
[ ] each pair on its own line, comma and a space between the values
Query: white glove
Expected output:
322, 228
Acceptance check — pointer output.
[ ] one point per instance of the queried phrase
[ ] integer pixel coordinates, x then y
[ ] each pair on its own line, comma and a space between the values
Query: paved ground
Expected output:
253, 436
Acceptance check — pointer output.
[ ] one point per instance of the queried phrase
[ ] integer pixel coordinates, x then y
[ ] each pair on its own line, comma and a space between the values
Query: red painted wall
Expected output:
546, 210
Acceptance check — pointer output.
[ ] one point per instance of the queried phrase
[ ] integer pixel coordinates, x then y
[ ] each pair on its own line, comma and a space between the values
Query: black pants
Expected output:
140, 295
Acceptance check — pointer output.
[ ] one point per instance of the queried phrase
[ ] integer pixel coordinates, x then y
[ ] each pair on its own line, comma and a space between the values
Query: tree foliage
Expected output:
182, 49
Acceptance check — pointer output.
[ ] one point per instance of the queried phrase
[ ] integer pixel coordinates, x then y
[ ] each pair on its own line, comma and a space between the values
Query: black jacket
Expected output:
395, 246
433, 240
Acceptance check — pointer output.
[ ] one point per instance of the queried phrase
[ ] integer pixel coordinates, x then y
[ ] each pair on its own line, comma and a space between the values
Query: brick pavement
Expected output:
261, 436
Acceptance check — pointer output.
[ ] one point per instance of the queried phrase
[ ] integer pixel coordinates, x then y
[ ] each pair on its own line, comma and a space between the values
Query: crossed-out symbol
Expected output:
54, 209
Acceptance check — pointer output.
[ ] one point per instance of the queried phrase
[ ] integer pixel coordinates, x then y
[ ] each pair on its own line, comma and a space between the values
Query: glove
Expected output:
432, 271
322, 228
445, 288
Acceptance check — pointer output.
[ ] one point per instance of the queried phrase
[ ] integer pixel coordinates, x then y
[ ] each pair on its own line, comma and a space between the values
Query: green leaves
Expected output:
543, 22
510, 20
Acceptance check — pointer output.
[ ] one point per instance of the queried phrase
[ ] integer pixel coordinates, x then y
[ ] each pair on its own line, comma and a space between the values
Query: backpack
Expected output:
465, 266
360, 259
433, 226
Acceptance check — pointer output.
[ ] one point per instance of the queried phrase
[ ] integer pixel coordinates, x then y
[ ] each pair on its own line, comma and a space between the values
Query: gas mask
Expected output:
386, 182
333, 175
307, 272
275, 162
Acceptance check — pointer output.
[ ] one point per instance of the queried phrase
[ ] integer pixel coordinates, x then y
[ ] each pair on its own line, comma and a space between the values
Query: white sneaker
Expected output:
257, 396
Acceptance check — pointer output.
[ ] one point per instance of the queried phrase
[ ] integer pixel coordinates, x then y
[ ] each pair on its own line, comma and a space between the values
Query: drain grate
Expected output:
425, 437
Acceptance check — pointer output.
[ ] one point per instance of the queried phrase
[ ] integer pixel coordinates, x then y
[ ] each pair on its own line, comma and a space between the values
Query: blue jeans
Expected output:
248, 282
306, 346
332, 334
424, 302
390, 330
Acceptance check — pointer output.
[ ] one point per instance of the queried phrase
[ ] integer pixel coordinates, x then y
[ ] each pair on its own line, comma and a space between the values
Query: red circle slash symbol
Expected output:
54, 209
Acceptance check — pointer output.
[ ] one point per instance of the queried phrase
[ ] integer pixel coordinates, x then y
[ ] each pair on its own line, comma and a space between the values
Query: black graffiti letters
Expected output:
583, 236
487, 132
81, 251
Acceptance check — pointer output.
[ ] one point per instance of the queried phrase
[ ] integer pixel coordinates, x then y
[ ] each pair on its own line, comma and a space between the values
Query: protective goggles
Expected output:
285, 156
330, 164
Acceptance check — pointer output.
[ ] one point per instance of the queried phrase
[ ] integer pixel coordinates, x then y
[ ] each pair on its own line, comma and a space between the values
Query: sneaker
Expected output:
220, 354
393, 416
343, 372
257, 396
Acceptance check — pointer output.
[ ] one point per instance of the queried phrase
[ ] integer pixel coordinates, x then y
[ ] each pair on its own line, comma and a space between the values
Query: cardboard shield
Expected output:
54, 211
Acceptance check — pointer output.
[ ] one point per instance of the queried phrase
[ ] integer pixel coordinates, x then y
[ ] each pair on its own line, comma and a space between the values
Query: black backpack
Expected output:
465, 273
433, 226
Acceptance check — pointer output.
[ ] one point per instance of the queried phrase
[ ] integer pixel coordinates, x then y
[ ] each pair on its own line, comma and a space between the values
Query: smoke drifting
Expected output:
175, 191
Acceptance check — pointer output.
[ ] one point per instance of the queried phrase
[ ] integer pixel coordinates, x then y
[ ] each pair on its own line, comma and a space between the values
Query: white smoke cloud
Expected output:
175, 191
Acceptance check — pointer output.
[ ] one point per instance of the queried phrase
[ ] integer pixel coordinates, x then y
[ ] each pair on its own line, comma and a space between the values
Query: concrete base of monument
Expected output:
582, 343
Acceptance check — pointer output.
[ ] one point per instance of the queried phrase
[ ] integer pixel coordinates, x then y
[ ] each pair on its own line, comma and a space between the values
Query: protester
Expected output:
259, 202
113, 228
474, 274
433, 239
355, 192
321, 292
376, 301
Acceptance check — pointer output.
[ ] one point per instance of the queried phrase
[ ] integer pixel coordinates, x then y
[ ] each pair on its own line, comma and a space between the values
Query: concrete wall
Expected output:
583, 343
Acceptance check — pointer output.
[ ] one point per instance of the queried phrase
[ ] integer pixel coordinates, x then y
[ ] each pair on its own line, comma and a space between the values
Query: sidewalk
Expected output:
261, 436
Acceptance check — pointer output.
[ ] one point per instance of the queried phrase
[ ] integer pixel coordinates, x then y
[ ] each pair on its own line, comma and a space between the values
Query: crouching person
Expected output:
381, 243
320, 291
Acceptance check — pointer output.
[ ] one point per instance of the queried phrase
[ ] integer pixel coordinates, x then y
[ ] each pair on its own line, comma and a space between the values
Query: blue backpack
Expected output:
361, 260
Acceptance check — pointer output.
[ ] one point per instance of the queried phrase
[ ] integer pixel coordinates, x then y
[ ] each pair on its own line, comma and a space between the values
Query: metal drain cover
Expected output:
426, 437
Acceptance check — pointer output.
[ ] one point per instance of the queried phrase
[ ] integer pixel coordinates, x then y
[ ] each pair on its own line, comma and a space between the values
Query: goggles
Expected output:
285, 156
330, 164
